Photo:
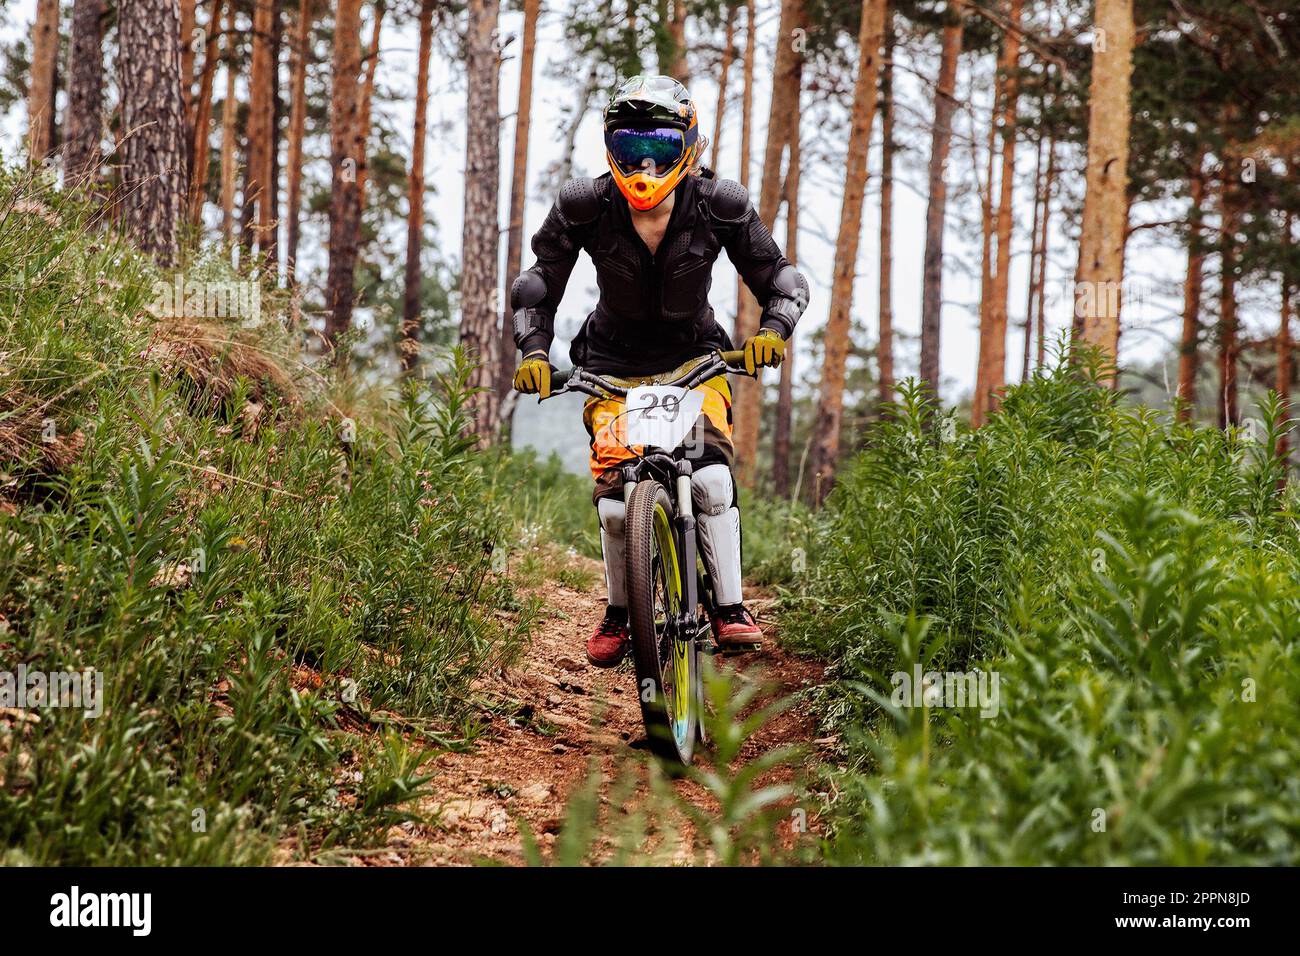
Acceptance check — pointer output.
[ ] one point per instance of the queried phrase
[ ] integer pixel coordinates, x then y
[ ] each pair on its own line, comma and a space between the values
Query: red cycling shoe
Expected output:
608, 645
734, 626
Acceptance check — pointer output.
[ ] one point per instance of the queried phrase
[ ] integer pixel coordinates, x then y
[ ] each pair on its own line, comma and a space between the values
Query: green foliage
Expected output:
1131, 583
257, 576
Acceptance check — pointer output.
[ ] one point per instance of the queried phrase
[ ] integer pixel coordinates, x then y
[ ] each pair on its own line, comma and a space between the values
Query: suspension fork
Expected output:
686, 535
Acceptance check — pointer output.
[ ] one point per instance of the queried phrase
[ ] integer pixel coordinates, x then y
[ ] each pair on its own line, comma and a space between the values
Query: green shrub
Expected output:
1134, 585
186, 508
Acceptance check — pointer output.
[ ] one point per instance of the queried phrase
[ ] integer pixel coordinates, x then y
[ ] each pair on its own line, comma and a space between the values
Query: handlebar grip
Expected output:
560, 377
734, 357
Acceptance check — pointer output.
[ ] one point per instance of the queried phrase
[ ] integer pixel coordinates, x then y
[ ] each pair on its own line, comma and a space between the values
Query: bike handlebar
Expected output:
575, 379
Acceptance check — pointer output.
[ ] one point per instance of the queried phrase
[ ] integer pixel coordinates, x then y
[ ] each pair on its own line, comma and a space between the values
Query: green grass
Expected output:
274, 574
1135, 586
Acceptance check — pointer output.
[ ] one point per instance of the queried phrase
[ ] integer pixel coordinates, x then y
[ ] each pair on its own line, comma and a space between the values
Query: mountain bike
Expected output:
669, 597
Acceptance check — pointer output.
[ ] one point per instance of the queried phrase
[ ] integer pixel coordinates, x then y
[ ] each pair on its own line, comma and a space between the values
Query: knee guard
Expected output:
717, 522
612, 512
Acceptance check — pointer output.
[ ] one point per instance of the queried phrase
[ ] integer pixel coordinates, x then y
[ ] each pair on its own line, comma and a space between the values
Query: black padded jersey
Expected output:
653, 311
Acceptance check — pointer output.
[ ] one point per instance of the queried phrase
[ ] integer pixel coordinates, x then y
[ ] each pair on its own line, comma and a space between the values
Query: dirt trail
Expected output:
565, 712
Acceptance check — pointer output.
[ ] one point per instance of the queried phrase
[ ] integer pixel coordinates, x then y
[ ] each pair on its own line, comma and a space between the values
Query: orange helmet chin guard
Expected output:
644, 190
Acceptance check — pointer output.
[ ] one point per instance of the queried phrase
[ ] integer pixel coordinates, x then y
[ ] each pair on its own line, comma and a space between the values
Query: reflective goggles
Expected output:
651, 150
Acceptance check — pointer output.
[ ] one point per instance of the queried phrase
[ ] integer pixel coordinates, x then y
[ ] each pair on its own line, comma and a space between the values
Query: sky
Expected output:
1155, 264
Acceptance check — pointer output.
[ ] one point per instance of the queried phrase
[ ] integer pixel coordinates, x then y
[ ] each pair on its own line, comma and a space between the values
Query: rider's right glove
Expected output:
534, 375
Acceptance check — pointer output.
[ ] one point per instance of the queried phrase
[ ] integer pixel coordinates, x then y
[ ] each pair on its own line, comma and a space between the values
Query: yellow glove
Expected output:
534, 375
764, 350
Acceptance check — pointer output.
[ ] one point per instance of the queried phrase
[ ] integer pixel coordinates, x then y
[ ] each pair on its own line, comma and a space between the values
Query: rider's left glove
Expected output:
764, 350
533, 377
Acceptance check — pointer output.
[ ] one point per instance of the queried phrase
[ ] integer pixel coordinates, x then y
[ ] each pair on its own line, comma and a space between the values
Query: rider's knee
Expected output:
713, 490
611, 511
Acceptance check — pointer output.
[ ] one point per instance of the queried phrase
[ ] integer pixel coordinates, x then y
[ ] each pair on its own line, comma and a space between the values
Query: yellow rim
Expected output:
681, 656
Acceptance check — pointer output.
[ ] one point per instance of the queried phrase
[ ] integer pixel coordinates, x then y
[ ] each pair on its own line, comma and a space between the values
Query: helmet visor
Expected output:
653, 150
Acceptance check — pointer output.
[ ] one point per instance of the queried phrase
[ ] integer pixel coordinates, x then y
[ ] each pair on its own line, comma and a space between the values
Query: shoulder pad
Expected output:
727, 199
579, 201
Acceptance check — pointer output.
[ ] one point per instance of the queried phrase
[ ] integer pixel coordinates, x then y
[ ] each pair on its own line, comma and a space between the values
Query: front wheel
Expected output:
666, 665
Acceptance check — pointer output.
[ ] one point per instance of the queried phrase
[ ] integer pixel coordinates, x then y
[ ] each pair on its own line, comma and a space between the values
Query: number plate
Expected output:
661, 415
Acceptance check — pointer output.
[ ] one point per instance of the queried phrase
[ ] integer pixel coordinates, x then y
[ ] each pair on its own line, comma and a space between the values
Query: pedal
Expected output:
731, 650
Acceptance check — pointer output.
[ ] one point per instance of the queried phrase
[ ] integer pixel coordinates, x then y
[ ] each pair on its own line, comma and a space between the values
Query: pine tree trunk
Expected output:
1228, 411
885, 337
678, 68
1192, 284
153, 148
261, 180
993, 341
748, 392
202, 118
518, 195
189, 14
301, 53
1105, 205
347, 156
1040, 288
83, 123
478, 286
781, 435
728, 54
987, 228
368, 97
229, 131
830, 404
410, 345
1284, 358
945, 103
40, 90
1034, 256
746, 138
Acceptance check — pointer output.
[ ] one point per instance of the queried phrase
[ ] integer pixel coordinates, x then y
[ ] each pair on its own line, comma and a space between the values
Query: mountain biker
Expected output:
653, 226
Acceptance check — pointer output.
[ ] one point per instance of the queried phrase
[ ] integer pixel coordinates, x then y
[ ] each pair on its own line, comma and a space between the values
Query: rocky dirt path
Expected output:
556, 713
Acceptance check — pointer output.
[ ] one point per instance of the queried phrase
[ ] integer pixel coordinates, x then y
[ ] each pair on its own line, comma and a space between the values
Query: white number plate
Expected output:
661, 415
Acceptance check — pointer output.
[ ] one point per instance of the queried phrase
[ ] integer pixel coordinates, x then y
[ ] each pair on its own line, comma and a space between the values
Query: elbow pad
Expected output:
528, 292
789, 299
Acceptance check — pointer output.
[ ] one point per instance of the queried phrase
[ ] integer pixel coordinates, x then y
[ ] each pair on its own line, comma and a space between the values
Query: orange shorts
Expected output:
605, 421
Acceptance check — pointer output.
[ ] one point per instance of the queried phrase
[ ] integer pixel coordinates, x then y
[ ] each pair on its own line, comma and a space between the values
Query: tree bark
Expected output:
945, 103
1284, 358
347, 157
885, 337
189, 14
1040, 290
518, 195
783, 106
830, 404
992, 377
781, 435
202, 118
1228, 411
987, 228
229, 131
1105, 205
153, 148
301, 54
367, 99
40, 91
1188, 350
479, 247
410, 344
83, 123
1031, 287
746, 136
728, 53
677, 67
260, 181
